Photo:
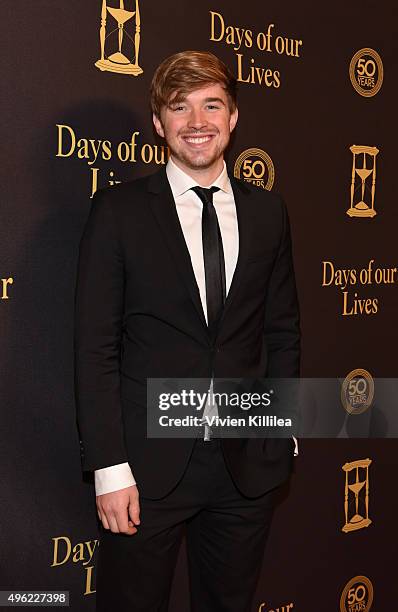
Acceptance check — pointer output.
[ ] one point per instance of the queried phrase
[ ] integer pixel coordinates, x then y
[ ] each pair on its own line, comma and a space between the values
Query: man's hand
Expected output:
119, 511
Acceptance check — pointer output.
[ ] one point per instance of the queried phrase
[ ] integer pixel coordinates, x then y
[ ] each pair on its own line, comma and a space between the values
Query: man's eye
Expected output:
212, 106
178, 108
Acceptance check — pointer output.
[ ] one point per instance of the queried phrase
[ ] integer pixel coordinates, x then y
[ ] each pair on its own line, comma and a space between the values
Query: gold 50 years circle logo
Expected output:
255, 166
366, 72
357, 595
357, 391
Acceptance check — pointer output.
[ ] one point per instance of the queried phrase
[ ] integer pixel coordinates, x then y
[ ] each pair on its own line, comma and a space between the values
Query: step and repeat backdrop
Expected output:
317, 99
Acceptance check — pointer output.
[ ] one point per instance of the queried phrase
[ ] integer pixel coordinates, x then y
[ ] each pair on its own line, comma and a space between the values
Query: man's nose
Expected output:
197, 119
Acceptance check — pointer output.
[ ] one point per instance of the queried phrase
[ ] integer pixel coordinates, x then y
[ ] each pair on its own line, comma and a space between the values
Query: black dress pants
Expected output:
226, 535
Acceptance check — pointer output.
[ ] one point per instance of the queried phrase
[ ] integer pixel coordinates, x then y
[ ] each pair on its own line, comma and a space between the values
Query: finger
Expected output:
131, 529
104, 521
125, 526
134, 512
100, 511
113, 523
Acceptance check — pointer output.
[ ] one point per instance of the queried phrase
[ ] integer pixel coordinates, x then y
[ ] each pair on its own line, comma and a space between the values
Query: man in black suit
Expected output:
186, 273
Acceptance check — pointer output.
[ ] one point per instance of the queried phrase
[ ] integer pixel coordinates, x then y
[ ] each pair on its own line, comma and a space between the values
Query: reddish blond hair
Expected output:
182, 73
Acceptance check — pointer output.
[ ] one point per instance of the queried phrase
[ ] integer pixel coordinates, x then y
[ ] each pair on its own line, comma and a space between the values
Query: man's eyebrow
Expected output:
215, 100
177, 101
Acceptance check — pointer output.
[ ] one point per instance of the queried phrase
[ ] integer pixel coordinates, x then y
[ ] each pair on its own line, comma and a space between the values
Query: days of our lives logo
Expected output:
81, 552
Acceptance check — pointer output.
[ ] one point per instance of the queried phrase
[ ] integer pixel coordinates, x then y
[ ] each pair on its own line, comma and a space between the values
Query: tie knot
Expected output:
206, 195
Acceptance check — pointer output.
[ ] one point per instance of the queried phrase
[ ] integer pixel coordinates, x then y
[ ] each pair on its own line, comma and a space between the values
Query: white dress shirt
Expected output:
189, 210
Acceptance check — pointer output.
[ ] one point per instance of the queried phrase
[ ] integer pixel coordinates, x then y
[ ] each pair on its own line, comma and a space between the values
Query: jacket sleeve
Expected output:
282, 325
98, 318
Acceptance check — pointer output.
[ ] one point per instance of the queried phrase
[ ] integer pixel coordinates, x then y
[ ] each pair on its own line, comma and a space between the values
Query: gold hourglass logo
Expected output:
363, 168
118, 61
356, 496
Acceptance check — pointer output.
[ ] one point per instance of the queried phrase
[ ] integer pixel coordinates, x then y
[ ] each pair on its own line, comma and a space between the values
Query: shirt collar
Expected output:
180, 181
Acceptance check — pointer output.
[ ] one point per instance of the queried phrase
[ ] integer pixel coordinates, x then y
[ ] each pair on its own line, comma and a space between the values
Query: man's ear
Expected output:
233, 119
158, 125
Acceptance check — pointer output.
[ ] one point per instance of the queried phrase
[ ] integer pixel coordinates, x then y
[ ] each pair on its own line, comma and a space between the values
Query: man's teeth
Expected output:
197, 140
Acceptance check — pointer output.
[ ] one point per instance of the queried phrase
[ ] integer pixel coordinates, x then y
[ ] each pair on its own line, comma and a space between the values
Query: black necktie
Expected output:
213, 255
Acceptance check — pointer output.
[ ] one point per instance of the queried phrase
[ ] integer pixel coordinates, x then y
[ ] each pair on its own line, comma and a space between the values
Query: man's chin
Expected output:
198, 162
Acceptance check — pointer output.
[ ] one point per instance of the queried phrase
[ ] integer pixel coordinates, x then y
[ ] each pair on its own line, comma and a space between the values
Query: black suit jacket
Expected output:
138, 315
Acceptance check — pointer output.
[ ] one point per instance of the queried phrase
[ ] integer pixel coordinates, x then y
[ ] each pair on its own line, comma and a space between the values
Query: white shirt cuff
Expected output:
296, 446
113, 478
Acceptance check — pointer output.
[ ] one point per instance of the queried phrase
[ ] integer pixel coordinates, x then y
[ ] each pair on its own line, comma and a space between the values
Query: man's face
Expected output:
198, 129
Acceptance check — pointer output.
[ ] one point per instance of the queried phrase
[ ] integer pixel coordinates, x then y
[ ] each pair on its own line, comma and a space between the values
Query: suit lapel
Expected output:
241, 196
164, 208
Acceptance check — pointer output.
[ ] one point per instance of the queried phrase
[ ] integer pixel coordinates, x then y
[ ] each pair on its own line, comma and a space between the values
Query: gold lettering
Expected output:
78, 552
61, 131
345, 303
91, 549
240, 72
359, 306
67, 552
4, 283
221, 23
94, 181
89, 573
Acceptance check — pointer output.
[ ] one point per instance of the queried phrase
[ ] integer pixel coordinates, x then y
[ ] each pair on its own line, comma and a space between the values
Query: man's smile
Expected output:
198, 139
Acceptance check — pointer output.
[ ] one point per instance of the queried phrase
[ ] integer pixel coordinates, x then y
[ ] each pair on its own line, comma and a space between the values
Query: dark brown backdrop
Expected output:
306, 126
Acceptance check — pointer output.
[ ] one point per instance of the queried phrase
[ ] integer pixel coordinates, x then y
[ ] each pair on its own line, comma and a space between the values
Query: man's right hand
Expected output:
119, 511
